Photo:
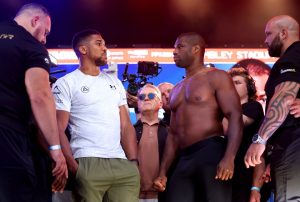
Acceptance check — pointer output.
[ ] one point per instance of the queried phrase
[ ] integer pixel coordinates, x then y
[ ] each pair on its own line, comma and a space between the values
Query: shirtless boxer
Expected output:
198, 104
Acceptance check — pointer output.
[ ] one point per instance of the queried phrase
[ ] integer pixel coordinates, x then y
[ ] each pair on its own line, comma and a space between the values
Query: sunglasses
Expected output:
143, 96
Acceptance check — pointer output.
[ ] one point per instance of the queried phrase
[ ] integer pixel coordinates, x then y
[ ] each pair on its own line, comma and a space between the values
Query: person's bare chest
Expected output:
194, 91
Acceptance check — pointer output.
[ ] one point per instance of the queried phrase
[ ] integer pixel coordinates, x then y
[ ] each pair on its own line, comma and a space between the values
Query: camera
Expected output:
146, 70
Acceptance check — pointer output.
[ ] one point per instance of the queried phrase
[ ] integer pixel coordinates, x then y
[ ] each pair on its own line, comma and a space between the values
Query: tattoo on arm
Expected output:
279, 106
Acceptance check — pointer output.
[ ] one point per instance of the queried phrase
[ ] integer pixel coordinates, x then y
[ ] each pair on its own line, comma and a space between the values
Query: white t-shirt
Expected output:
93, 103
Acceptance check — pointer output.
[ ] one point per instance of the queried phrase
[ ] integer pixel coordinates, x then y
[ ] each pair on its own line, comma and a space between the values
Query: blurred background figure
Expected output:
252, 116
260, 72
165, 89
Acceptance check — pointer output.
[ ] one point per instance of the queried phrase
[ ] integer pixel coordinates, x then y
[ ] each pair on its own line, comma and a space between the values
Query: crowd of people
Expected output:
225, 136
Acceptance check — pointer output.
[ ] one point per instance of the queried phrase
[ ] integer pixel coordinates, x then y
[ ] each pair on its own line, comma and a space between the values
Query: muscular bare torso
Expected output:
196, 114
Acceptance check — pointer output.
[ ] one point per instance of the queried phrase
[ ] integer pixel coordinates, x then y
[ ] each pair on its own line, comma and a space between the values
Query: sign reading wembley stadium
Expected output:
132, 55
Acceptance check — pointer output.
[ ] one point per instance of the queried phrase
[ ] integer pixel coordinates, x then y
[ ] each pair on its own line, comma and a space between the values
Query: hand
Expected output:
59, 183
132, 100
59, 164
253, 154
295, 108
267, 174
254, 196
225, 169
160, 183
73, 168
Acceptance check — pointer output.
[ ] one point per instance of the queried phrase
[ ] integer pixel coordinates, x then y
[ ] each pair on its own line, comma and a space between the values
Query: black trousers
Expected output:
16, 167
194, 177
285, 165
23, 177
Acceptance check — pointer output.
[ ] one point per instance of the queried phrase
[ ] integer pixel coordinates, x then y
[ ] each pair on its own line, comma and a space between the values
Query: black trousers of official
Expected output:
17, 177
285, 164
194, 177
23, 177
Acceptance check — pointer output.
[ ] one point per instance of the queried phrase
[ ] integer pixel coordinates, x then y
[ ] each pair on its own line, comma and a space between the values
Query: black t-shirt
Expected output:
19, 51
253, 110
287, 68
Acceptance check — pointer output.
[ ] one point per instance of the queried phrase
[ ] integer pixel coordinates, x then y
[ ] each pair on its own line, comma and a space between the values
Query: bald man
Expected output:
25, 90
165, 89
198, 104
282, 39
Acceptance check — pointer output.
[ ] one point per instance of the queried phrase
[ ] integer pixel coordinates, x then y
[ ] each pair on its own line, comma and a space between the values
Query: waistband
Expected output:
200, 144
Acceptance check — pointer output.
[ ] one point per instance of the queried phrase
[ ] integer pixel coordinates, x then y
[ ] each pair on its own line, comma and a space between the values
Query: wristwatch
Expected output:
256, 139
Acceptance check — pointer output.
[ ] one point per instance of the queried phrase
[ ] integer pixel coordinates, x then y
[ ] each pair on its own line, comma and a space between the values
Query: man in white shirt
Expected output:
102, 151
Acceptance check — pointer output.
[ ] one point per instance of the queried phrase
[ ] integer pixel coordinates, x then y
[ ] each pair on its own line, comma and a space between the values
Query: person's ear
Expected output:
283, 34
34, 20
196, 48
83, 50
